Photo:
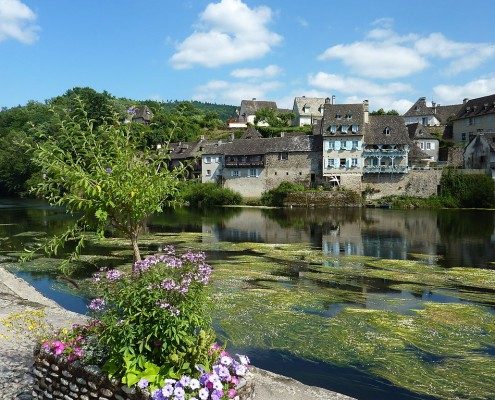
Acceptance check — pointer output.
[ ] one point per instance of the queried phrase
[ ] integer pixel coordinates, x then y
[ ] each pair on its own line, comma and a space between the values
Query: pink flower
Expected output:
231, 393
234, 381
58, 347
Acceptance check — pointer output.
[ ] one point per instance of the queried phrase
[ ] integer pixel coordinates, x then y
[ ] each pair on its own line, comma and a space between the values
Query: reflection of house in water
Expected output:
383, 234
254, 226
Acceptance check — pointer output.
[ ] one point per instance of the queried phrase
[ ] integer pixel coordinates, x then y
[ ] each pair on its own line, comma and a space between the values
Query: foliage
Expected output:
469, 190
273, 117
381, 111
404, 202
275, 197
203, 195
101, 174
157, 314
269, 131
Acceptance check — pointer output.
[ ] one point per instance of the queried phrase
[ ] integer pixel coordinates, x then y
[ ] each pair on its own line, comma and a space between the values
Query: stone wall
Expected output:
57, 379
418, 183
332, 198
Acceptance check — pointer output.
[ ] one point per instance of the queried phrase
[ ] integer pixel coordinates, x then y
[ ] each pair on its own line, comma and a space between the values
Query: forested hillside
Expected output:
172, 121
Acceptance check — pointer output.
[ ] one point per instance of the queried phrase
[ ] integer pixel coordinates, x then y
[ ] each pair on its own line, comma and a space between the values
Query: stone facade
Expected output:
418, 183
475, 116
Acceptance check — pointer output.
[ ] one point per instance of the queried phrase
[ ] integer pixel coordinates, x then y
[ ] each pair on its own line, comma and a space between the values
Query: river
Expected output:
376, 304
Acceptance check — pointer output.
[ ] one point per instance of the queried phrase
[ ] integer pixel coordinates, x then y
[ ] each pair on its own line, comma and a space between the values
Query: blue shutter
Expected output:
349, 145
337, 145
360, 145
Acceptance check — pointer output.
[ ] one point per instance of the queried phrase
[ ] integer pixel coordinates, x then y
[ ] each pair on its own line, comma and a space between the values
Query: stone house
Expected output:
424, 139
475, 116
342, 128
308, 110
247, 112
434, 115
254, 165
480, 154
140, 114
187, 154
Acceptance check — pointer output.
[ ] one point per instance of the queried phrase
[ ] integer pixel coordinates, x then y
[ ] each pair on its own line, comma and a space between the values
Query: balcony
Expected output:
392, 169
385, 152
244, 164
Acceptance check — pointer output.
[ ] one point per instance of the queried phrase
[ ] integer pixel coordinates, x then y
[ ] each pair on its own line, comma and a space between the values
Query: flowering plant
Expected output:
155, 320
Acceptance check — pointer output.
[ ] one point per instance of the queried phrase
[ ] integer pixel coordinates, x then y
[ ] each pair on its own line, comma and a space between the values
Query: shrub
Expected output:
203, 195
275, 197
473, 190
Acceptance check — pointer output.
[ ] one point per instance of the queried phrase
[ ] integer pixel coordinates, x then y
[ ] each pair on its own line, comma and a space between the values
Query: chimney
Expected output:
327, 100
304, 97
282, 134
202, 137
366, 107
434, 105
254, 98
465, 100
232, 137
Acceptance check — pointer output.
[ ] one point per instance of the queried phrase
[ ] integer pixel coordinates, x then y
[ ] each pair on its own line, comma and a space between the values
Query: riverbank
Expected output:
17, 298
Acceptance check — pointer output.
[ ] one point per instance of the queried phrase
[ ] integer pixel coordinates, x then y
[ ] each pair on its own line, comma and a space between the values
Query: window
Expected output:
253, 172
275, 173
234, 173
208, 172
283, 156
386, 131
343, 144
342, 163
354, 162
355, 144
338, 116
207, 160
333, 128
330, 163
424, 121
428, 145
355, 128
348, 116
345, 128
463, 136
422, 145
471, 121
330, 145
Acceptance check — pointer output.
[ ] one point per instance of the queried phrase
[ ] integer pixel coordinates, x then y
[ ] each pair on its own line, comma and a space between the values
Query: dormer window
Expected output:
416, 108
320, 109
333, 128
355, 128
338, 116
386, 131
345, 128
306, 108
348, 116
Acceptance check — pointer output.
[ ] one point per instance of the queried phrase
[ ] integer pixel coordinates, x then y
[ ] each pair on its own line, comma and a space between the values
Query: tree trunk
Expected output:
135, 248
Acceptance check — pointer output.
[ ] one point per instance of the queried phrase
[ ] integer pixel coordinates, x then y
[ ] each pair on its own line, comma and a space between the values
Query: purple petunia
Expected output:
97, 304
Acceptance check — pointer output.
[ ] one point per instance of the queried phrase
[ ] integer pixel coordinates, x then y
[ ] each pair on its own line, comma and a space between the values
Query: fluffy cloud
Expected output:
385, 54
476, 88
267, 72
350, 85
225, 92
17, 22
229, 32
385, 102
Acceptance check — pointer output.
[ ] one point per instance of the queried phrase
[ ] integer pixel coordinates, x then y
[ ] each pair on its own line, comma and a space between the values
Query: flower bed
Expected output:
151, 338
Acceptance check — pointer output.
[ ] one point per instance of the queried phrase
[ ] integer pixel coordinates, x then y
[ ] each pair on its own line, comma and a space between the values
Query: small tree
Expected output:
104, 175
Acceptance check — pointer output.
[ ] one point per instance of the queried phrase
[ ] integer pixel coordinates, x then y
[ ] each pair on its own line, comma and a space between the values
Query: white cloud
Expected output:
385, 102
466, 55
229, 32
454, 93
267, 72
17, 22
225, 92
301, 21
377, 60
350, 85
383, 53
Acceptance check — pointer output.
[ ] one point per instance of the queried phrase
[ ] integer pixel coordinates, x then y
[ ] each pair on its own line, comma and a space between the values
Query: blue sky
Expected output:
390, 52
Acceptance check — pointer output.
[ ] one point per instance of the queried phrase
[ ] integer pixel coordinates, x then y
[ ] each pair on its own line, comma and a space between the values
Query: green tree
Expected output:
273, 117
381, 111
103, 174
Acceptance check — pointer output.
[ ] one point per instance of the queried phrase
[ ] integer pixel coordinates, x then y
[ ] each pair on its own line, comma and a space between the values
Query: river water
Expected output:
444, 241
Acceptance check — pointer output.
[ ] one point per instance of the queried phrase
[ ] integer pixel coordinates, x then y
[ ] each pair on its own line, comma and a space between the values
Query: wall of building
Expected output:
430, 120
214, 166
483, 123
432, 151
248, 186
332, 150
418, 183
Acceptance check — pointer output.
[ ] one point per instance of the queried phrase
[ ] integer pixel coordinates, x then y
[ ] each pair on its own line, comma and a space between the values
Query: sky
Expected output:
223, 51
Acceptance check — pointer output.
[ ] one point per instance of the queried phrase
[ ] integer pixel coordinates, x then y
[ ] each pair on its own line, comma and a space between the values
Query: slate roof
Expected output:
442, 113
314, 104
416, 154
141, 112
291, 143
375, 132
249, 107
476, 107
417, 131
183, 150
342, 114
251, 132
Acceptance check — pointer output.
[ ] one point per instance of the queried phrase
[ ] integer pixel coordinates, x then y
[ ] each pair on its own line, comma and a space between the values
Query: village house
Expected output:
475, 116
308, 110
434, 115
425, 140
140, 114
480, 154
187, 154
247, 112
252, 164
